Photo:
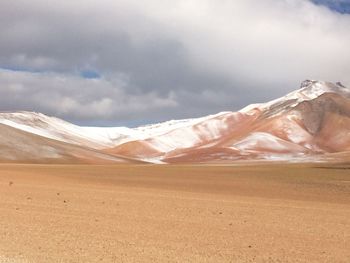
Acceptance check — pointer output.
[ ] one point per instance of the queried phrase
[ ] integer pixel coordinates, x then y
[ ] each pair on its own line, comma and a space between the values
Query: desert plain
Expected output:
175, 213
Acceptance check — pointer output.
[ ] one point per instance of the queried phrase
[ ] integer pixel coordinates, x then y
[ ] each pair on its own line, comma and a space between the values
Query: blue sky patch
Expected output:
341, 6
90, 74
20, 69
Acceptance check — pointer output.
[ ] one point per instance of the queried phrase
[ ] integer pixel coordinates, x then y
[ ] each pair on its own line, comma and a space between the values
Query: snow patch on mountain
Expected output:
309, 90
262, 141
53, 128
168, 126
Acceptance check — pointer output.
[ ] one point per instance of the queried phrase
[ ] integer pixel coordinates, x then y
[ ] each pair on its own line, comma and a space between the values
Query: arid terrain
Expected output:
173, 213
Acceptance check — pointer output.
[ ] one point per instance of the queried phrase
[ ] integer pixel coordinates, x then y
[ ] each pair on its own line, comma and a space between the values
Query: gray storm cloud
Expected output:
159, 60
76, 98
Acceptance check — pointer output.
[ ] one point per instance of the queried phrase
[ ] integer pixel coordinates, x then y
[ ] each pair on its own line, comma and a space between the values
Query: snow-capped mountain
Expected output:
312, 122
291, 127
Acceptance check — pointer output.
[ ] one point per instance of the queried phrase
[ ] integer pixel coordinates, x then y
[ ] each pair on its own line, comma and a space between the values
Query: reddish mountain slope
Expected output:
20, 146
312, 123
307, 123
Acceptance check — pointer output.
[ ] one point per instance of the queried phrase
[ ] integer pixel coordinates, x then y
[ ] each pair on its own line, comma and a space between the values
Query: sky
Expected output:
131, 62
341, 6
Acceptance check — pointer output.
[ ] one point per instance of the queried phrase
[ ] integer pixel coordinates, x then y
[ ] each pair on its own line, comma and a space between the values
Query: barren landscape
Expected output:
175, 131
175, 213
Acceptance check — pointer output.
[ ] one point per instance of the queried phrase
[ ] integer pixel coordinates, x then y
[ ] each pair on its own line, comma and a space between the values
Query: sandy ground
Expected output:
274, 213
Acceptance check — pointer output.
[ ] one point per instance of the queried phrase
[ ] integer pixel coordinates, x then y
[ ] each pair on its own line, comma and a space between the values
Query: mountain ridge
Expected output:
309, 123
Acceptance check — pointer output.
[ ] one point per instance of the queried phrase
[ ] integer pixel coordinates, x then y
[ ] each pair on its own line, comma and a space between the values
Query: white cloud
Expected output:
75, 97
183, 58
263, 40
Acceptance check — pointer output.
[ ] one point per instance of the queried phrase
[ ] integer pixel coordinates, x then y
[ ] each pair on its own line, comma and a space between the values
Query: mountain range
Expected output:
309, 124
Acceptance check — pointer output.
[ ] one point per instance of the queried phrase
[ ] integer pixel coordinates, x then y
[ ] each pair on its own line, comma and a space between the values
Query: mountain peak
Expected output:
314, 88
311, 89
307, 83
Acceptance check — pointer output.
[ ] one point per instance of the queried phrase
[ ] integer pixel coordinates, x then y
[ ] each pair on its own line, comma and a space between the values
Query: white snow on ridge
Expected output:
29, 129
249, 109
165, 136
168, 126
310, 89
112, 135
258, 141
52, 128
101, 137
191, 133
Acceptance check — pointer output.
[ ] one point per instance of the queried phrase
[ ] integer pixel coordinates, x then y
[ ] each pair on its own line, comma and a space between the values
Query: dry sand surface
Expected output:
140, 213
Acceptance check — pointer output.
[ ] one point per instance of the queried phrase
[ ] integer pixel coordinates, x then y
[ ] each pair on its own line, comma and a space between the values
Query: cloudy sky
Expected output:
130, 62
